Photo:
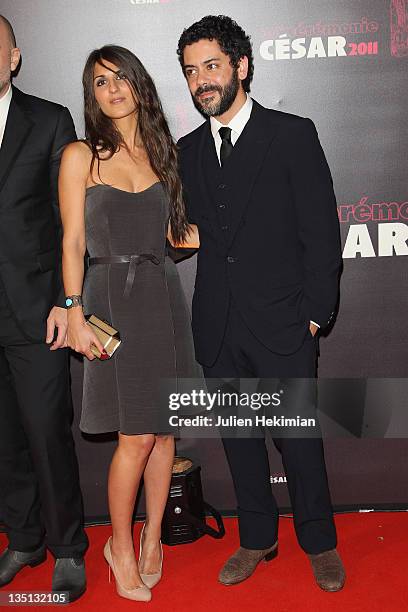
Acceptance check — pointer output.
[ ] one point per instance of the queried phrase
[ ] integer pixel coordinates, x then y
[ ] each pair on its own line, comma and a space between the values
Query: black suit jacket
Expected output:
30, 241
279, 253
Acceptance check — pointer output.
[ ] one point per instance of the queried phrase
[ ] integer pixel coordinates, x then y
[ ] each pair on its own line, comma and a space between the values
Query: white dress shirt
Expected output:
237, 124
4, 109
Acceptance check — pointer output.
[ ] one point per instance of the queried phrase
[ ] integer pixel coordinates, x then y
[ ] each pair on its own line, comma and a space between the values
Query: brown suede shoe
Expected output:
243, 562
328, 570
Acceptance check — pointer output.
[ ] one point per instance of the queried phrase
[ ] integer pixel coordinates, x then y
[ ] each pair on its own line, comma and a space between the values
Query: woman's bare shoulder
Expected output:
78, 150
76, 161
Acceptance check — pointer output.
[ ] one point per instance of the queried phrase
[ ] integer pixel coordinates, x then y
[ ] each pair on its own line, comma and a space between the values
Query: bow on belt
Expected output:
132, 260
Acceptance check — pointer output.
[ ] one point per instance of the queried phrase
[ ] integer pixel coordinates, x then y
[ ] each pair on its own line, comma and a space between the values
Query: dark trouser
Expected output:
243, 356
39, 480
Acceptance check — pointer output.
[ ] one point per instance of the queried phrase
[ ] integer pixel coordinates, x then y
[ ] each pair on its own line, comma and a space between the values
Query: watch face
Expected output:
68, 302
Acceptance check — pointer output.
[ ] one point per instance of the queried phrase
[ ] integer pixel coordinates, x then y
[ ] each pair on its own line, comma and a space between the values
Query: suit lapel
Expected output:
207, 168
210, 166
18, 126
207, 163
245, 162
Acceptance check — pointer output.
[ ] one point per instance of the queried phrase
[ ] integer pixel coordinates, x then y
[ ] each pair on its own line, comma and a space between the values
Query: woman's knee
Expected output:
165, 441
139, 445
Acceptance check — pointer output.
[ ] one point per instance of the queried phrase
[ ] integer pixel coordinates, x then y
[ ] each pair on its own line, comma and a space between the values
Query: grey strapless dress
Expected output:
120, 394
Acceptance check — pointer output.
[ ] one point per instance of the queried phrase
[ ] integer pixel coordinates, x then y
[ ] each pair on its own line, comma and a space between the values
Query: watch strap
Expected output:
73, 300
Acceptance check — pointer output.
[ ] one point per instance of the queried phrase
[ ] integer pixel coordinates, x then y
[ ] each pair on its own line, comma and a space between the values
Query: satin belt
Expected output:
133, 261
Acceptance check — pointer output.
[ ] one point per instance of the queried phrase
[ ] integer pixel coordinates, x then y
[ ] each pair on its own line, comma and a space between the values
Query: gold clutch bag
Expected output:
106, 334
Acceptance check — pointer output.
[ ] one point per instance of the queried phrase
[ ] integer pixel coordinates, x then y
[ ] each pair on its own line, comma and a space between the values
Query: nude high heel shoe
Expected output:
140, 593
150, 580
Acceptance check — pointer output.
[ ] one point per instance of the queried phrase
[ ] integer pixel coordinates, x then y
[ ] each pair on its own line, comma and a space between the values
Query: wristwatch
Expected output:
73, 300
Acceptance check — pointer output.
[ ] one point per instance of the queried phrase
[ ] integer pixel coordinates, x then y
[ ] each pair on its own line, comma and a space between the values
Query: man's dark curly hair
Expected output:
228, 34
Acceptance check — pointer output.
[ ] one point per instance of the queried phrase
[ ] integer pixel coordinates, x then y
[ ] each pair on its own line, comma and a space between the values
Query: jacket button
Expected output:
221, 205
231, 259
222, 186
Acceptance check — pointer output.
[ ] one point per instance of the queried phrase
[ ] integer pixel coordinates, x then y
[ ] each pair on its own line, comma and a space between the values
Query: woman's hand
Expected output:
57, 319
80, 336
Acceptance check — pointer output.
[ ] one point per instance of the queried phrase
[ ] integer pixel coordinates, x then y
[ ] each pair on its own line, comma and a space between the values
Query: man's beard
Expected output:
228, 93
4, 81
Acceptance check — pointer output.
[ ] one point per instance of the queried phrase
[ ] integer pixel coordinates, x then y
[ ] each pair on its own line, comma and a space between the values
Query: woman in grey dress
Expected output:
120, 197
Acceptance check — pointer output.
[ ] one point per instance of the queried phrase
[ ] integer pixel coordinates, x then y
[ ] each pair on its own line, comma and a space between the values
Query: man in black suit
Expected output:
41, 503
258, 186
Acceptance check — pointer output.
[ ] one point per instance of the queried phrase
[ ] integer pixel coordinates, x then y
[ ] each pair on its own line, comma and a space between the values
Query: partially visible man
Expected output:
259, 189
41, 503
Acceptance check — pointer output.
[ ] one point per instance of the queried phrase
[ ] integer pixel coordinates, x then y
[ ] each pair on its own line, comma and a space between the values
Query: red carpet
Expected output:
374, 548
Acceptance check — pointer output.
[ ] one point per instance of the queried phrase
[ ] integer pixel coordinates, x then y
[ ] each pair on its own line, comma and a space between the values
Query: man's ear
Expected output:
243, 68
15, 55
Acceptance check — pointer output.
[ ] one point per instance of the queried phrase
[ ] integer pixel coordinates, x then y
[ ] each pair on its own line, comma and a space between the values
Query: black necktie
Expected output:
226, 144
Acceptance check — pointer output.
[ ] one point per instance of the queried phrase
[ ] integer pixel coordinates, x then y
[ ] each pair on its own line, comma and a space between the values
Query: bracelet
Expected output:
73, 300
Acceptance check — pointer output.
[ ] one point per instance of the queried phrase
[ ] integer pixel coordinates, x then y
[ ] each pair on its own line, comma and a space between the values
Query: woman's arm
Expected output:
74, 171
192, 241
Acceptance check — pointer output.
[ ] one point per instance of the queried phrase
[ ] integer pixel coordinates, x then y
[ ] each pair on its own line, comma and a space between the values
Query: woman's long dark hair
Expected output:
102, 135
